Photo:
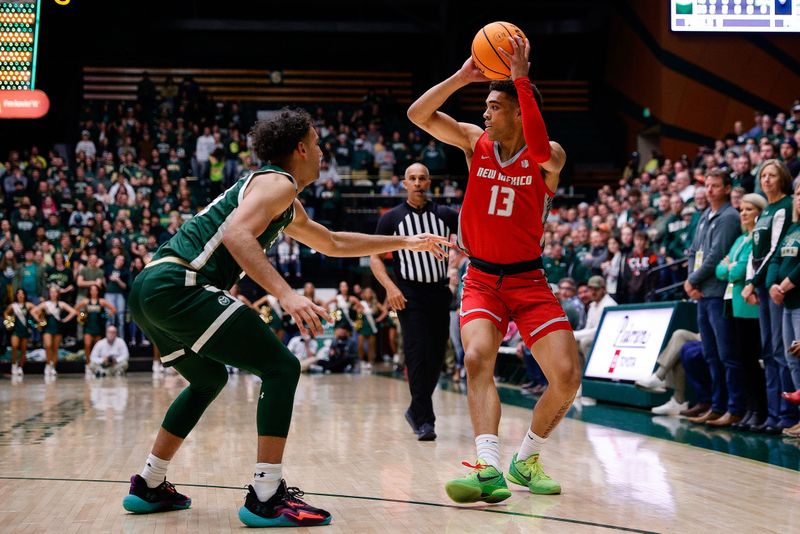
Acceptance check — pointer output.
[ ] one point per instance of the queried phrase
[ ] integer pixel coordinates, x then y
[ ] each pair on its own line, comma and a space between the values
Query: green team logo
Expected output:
223, 300
755, 237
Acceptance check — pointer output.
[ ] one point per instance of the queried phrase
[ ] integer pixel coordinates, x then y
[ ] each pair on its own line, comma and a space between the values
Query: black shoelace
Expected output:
294, 493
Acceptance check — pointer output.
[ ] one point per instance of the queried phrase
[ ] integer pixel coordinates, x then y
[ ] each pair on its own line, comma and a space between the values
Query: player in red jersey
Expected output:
513, 173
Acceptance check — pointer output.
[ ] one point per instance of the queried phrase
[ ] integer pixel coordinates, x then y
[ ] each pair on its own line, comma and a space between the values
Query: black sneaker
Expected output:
284, 509
411, 422
427, 432
145, 500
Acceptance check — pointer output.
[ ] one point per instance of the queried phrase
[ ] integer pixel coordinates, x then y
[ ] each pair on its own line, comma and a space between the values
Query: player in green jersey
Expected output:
181, 301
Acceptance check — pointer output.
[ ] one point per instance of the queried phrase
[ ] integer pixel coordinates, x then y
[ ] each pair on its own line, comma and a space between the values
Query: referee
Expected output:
420, 295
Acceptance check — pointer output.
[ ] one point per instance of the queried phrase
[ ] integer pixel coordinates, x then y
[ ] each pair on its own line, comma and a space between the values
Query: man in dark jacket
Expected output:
717, 229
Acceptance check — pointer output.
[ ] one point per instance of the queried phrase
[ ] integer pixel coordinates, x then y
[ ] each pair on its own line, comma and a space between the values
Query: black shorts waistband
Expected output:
506, 269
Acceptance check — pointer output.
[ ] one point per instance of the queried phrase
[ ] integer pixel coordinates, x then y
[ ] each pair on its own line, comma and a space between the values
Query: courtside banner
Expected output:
628, 342
23, 104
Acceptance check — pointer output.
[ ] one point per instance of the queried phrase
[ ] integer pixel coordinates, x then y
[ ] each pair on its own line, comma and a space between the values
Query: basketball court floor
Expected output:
67, 450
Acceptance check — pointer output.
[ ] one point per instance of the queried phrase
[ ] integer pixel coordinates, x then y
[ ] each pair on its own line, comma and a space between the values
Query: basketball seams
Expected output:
482, 64
509, 32
491, 45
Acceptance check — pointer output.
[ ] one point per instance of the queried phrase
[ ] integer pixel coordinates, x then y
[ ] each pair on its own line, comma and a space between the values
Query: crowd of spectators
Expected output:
720, 229
92, 215
92, 212
648, 219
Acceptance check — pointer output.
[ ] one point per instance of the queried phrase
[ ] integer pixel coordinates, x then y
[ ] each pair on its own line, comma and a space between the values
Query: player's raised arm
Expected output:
532, 121
424, 112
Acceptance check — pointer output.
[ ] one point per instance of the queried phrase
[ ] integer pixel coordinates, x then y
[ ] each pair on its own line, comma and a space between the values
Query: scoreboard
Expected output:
735, 15
19, 24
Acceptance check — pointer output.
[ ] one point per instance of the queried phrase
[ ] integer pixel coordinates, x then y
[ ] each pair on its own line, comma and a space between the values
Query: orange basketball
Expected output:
492, 63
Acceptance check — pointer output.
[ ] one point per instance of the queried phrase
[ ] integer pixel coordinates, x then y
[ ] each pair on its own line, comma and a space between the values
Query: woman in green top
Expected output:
17, 316
746, 335
93, 318
50, 311
771, 226
783, 280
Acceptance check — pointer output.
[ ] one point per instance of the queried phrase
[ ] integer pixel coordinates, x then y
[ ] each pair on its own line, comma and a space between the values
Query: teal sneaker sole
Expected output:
137, 505
256, 521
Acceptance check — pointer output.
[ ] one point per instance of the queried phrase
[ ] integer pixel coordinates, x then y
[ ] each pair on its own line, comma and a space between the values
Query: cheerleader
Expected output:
17, 317
366, 327
343, 299
94, 312
50, 311
271, 313
310, 292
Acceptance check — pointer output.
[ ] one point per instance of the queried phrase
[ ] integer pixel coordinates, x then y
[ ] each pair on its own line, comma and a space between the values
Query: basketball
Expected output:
195, 377
491, 62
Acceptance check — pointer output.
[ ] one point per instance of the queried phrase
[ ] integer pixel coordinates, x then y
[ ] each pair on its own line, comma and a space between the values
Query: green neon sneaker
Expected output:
485, 483
529, 473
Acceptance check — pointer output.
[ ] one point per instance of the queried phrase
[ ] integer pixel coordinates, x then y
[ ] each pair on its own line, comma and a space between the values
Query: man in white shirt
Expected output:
600, 299
289, 257
122, 183
86, 145
327, 171
304, 347
684, 185
110, 354
203, 148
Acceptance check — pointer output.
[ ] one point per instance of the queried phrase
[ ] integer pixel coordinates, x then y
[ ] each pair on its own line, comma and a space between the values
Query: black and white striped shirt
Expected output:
405, 220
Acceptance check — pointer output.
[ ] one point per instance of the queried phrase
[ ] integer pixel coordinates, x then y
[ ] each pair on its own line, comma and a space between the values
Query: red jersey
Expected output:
505, 206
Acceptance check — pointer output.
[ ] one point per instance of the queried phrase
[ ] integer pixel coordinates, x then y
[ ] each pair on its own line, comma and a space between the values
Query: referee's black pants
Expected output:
425, 322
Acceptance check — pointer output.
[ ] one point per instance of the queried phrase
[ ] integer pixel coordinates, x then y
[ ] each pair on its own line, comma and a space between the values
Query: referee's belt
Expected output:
506, 269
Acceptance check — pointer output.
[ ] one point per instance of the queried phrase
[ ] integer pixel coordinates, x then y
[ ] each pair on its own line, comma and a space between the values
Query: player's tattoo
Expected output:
557, 417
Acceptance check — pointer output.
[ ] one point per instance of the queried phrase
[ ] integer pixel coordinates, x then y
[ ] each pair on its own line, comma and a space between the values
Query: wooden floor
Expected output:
67, 450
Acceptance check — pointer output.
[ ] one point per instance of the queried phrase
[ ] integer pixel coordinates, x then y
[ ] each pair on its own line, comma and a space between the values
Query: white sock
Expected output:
488, 447
531, 444
155, 471
266, 480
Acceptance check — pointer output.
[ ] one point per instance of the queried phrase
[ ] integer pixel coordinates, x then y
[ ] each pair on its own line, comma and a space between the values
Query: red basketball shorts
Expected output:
525, 298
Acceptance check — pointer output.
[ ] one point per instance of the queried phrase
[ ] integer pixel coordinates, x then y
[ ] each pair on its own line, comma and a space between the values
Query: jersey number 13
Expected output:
506, 201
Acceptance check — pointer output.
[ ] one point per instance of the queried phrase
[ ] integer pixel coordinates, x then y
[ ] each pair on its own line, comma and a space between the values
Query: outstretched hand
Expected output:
518, 56
436, 245
304, 312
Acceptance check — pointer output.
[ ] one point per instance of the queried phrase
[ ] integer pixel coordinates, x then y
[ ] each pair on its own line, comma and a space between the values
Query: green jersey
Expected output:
199, 240
580, 273
556, 269
53, 233
785, 263
770, 228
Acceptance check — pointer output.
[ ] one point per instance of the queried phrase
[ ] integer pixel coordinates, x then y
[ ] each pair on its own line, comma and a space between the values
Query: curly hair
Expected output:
276, 138
508, 87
